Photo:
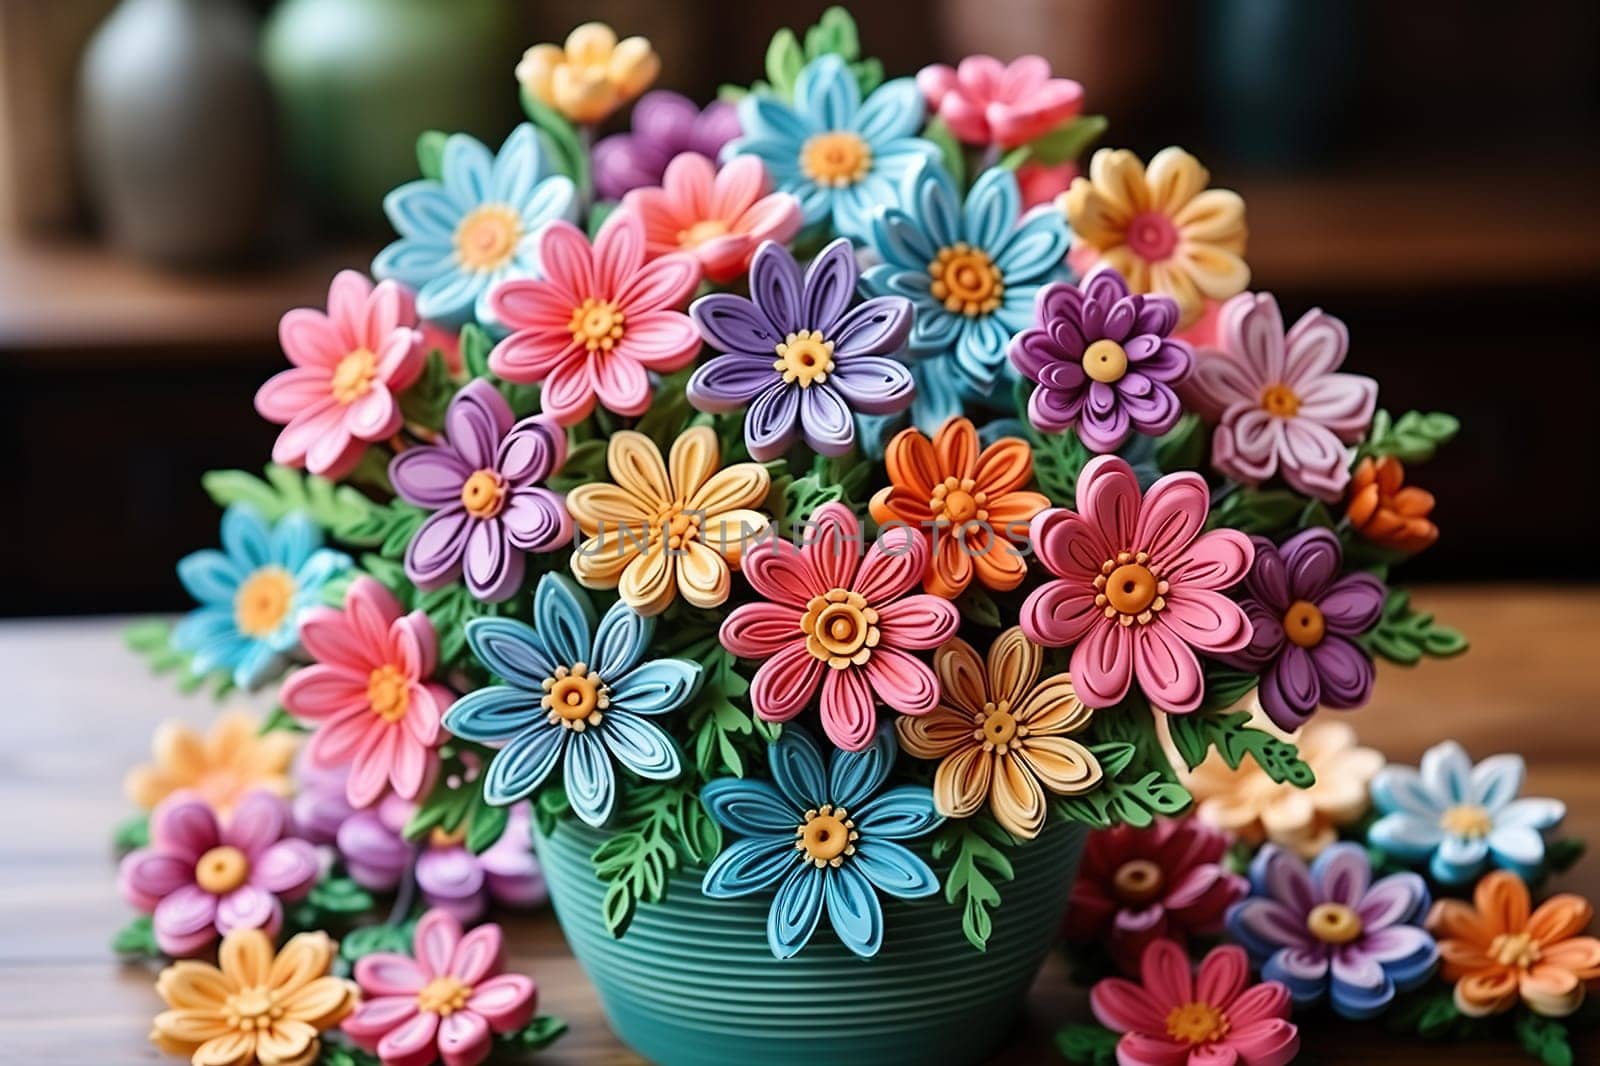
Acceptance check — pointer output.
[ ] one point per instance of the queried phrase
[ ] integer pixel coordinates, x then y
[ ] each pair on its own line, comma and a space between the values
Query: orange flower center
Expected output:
487, 238
575, 698
997, 727
596, 324
1333, 923
840, 628
1197, 1023
965, 279
1303, 624
678, 524
484, 493
805, 357
1467, 820
447, 838
707, 229
1279, 400
251, 1009
1151, 236
389, 692
352, 378
1105, 361
1514, 949
957, 500
263, 601
1129, 589
827, 836
1138, 881
443, 996
221, 870
836, 159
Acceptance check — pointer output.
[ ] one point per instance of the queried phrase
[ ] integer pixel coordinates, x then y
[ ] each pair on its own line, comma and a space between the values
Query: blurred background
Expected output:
174, 174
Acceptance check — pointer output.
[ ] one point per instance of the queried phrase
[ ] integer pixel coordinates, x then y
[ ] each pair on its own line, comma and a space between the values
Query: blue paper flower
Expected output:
252, 593
476, 226
824, 839
971, 270
575, 695
840, 156
1461, 818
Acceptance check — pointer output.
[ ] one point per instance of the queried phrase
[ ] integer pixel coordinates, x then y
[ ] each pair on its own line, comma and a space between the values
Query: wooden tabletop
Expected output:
79, 710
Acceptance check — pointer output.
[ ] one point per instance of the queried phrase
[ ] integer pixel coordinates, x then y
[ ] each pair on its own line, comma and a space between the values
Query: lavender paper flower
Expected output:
799, 355
664, 125
1305, 618
1104, 361
1331, 931
482, 483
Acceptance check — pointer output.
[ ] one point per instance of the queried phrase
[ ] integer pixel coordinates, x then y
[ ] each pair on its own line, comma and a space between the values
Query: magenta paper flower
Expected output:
349, 366
831, 617
665, 125
598, 322
368, 695
482, 481
201, 878
1174, 1017
1278, 405
446, 1003
1139, 586
985, 101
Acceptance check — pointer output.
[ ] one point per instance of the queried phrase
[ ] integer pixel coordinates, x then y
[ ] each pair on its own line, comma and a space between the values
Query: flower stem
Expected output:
407, 893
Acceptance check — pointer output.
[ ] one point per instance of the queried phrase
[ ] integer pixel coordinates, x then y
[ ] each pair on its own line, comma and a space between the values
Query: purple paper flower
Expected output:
482, 483
1305, 619
1331, 930
201, 878
664, 124
1103, 360
799, 355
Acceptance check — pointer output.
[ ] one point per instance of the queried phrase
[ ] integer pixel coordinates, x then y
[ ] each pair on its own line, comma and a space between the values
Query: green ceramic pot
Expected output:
692, 982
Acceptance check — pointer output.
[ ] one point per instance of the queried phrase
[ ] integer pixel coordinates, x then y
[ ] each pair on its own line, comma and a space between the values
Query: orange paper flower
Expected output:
1386, 511
1497, 952
1001, 734
970, 504
229, 761
257, 1008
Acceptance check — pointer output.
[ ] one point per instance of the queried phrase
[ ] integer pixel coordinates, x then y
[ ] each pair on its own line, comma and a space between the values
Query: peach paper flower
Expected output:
718, 216
985, 101
1387, 511
1496, 952
591, 75
232, 759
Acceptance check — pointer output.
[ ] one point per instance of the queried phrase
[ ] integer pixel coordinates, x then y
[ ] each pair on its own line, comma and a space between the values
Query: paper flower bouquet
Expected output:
811, 526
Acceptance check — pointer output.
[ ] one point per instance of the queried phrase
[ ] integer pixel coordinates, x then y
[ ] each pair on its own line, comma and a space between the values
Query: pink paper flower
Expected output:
1140, 586
444, 1004
832, 618
349, 364
598, 322
1279, 406
1172, 1017
985, 101
718, 216
1040, 183
201, 878
368, 695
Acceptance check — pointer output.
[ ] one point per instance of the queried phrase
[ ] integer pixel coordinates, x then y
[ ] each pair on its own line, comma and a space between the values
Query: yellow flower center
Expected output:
575, 698
957, 500
1333, 923
997, 727
596, 324
827, 837
251, 1009
1467, 820
840, 628
678, 524
484, 493
389, 692
837, 158
1280, 401
804, 357
1514, 949
1105, 361
221, 870
707, 229
1138, 881
1129, 589
441, 837
487, 238
1304, 625
443, 996
1197, 1023
263, 601
352, 378
965, 279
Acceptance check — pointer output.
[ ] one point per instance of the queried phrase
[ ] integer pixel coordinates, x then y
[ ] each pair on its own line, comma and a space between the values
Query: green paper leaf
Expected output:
340, 896
485, 824
334, 1054
722, 734
1136, 802
1563, 854
372, 939
279, 720
1064, 144
670, 413
430, 154
425, 402
152, 640
1404, 635
1233, 738
586, 463
445, 808
977, 605
950, 151
1087, 1045
1412, 438
834, 32
550, 808
657, 827
1225, 687
783, 64
137, 938
1058, 459
976, 848
1543, 1038
132, 832
563, 143
228, 487
1114, 756
1260, 511
535, 1036
1183, 447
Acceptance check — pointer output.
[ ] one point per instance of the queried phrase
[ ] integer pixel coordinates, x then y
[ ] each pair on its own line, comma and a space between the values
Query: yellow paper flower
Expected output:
1250, 804
1161, 228
592, 76
666, 529
232, 759
1001, 734
257, 1008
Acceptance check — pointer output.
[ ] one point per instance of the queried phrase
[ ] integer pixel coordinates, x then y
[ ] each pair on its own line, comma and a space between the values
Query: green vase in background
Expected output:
693, 983
357, 80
